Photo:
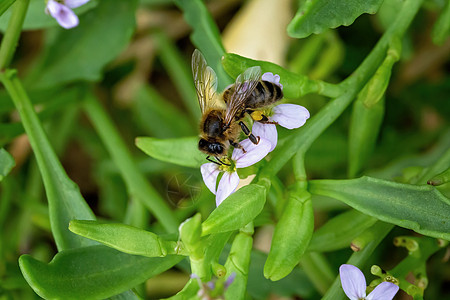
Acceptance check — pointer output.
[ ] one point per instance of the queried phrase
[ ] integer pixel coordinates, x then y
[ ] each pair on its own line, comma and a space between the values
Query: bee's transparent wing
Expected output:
243, 88
205, 81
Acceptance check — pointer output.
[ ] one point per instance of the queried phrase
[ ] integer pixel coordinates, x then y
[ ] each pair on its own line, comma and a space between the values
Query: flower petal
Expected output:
64, 15
290, 116
75, 3
227, 185
274, 78
267, 131
353, 282
253, 153
210, 171
383, 291
230, 280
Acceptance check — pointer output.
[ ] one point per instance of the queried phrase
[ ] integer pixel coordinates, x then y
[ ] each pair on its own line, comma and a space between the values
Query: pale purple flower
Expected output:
274, 78
289, 116
230, 179
62, 12
354, 285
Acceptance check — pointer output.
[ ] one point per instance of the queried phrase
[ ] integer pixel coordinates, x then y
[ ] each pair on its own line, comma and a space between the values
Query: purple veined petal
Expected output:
253, 153
267, 131
383, 291
75, 3
227, 185
353, 282
210, 171
64, 15
290, 116
274, 78
211, 285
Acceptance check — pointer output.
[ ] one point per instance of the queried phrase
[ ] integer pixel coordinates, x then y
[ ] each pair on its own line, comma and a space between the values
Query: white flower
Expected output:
274, 78
62, 12
230, 179
354, 285
289, 116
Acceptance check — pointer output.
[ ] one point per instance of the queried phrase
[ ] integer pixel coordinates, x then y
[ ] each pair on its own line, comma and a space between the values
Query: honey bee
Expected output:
222, 114
265, 94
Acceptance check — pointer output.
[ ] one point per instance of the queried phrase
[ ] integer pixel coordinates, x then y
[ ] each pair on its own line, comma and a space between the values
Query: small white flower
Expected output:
289, 116
230, 179
62, 12
354, 285
274, 78
268, 131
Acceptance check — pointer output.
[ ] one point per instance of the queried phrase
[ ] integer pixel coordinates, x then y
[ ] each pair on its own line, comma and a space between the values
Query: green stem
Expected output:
328, 89
137, 184
12, 34
238, 262
299, 167
318, 270
306, 135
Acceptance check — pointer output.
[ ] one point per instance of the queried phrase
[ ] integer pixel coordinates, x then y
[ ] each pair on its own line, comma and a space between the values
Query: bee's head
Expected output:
211, 148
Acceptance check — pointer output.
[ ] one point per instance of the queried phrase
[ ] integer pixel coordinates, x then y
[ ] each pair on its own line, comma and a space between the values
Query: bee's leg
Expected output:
265, 120
237, 145
255, 140
258, 116
213, 161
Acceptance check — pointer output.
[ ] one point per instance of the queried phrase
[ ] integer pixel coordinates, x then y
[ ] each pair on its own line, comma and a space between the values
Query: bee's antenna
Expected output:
213, 161
222, 162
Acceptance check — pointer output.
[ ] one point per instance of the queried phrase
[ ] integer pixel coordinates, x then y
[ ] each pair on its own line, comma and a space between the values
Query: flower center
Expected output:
229, 166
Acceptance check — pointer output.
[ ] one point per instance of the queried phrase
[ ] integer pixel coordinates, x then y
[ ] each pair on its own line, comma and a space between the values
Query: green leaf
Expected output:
125, 238
315, 16
441, 29
138, 186
205, 36
95, 272
188, 292
179, 71
4, 5
36, 18
181, 151
77, 54
294, 85
420, 208
351, 224
65, 202
127, 295
6, 163
237, 210
158, 116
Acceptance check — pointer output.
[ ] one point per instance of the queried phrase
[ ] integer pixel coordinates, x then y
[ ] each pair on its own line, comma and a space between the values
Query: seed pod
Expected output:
238, 262
292, 235
441, 178
367, 114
